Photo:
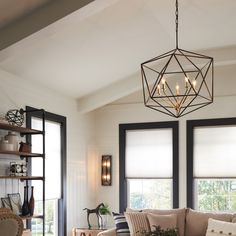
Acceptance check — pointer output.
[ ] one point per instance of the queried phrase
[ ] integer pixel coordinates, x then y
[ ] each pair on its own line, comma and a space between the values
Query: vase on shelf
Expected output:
31, 202
25, 206
12, 139
103, 221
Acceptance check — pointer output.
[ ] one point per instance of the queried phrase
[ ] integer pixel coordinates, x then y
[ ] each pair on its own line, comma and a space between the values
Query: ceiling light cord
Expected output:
176, 24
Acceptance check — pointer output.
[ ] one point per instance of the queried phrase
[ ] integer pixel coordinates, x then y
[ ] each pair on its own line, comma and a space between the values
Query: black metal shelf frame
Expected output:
28, 138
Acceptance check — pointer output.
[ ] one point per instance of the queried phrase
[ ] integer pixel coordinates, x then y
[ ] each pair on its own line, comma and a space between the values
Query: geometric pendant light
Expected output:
179, 81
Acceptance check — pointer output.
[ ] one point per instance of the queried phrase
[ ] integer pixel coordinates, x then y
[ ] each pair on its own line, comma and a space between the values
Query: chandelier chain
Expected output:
176, 23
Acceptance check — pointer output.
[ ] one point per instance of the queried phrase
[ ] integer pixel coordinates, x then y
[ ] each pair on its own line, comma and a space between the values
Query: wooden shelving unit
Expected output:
25, 155
21, 154
31, 217
22, 177
21, 130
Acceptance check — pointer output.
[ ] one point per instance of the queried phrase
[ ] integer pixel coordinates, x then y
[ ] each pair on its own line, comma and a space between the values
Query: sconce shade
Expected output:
106, 175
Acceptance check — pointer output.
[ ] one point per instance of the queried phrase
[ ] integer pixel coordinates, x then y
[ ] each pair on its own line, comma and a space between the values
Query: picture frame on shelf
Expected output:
15, 202
6, 202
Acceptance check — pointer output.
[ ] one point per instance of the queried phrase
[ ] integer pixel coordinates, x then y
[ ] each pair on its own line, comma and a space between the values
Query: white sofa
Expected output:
189, 222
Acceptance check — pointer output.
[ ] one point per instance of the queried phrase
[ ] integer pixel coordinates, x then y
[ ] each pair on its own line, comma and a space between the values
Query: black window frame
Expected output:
174, 125
191, 124
62, 213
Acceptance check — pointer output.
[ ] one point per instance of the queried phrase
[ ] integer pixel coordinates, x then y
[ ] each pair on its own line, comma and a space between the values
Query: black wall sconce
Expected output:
106, 170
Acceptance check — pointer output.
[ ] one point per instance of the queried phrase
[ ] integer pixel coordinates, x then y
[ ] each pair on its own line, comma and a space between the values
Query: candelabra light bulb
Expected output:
163, 81
177, 89
158, 89
186, 82
194, 83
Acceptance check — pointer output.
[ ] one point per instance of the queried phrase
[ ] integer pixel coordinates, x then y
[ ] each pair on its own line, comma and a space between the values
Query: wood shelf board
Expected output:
23, 154
21, 130
31, 217
22, 177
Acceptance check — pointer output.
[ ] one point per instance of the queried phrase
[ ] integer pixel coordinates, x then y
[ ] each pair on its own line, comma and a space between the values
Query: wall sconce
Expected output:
106, 170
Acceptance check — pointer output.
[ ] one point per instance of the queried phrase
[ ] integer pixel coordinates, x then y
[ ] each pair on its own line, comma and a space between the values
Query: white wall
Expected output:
16, 93
91, 135
107, 121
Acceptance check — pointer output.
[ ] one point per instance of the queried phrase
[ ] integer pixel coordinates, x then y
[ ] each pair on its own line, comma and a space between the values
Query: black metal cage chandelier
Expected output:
177, 82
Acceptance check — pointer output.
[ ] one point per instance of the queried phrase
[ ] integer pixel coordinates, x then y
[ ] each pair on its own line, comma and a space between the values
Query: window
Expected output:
211, 150
148, 165
55, 167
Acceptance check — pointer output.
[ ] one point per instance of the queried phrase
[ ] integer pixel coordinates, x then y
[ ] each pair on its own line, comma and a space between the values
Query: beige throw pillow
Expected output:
137, 222
180, 213
221, 228
164, 221
196, 221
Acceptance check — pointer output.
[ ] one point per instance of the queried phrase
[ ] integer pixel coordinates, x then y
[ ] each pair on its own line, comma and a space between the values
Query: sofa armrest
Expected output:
108, 232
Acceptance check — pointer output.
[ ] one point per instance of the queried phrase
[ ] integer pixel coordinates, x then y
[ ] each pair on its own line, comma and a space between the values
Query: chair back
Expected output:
10, 224
5, 210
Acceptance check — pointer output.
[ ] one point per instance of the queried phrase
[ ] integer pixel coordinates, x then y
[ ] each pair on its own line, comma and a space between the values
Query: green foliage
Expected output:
216, 195
211, 194
156, 194
160, 232
105, 210
49, 211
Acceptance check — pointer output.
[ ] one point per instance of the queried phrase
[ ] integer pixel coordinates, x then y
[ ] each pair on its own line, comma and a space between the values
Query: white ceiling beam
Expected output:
127, 86
110, 93
222, 56
38, 19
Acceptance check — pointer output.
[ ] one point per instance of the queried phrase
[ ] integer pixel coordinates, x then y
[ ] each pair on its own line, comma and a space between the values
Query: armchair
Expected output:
10, 224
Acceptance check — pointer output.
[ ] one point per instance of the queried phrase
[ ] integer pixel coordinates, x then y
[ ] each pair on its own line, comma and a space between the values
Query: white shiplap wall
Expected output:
15, 93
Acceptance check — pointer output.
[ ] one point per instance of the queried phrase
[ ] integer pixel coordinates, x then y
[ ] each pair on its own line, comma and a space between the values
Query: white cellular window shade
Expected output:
149, 153
52, 161
214, 152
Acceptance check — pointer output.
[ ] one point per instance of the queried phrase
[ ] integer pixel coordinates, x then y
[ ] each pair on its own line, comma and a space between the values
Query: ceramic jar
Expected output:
5, 145
12, 139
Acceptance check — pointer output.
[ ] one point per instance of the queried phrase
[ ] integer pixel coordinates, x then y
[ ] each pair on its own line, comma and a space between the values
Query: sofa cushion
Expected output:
220, 228
137, 222
164, 221
180, 214
196, 222
122, 228
108, 232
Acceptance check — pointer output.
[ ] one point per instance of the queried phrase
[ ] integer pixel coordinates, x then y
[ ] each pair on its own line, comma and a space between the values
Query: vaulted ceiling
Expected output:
92, 51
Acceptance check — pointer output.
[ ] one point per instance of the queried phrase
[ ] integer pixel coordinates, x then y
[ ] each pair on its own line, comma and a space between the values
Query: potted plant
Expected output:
161, 232
104, 211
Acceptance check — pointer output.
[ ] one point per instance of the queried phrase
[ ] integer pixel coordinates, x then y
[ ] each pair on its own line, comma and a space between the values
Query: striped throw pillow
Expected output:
122, 228
137, 222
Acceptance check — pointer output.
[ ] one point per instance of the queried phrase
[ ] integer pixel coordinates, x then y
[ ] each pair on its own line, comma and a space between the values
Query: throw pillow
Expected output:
180, 213
196, 221
122, 228
137, 222
164, 221
221, 228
